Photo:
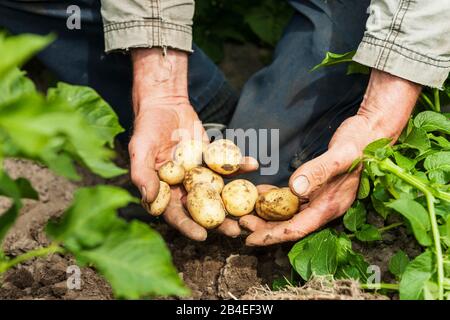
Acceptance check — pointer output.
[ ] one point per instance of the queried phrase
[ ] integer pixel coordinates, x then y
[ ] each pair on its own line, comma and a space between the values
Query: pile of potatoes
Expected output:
209, 200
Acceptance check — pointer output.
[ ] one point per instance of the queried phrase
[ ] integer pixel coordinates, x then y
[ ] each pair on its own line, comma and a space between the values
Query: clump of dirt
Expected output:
315, 289
236, 275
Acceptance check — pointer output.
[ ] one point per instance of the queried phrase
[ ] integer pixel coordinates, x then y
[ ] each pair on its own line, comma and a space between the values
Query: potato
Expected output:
171, 173
239, 197
161, 202
203, 175
223, 156
205, 206
189, 154
277, 204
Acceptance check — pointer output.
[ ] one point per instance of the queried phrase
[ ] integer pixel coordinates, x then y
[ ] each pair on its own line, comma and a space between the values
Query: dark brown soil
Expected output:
219, 268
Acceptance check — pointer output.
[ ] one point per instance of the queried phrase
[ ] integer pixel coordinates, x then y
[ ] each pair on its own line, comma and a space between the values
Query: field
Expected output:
220, 268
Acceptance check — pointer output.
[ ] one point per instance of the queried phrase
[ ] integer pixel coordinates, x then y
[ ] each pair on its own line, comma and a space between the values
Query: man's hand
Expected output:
164, 117
324, 181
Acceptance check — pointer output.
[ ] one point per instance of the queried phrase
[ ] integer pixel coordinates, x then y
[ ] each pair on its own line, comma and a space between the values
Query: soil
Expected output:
219, 268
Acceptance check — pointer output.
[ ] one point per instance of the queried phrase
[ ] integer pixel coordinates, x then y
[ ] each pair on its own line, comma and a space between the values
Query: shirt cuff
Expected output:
402, 62
147, 34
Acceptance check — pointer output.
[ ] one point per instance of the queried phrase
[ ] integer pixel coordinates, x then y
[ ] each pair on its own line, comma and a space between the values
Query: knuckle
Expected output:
319, 173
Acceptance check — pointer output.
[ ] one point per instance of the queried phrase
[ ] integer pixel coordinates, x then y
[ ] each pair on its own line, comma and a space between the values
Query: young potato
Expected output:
277, 204
203, 175
171, 173
205, 206
239, 197
189, 154
223, 156
157, 207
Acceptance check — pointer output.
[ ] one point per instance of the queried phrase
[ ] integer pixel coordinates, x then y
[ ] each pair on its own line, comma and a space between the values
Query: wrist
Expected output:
388, 103
159, 79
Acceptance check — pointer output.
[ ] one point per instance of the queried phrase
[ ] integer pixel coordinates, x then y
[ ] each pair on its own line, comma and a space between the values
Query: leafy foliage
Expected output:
410, 178
73, 124
255, 21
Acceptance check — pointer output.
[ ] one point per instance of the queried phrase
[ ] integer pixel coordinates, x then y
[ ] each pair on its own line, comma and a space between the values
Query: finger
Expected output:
252, 223
143, 174
332, 202
248, 164
230, 228
294, 229
176, 217
315, 173
263, 188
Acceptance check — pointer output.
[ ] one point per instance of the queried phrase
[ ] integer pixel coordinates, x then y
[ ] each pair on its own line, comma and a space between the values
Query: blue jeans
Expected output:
306, 107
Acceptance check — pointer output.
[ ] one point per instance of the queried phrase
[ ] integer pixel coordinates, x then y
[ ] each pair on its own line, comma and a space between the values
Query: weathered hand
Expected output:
163, 118
324, 181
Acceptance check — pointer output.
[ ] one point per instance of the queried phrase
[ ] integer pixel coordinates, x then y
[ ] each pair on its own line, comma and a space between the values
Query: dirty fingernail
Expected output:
301, 185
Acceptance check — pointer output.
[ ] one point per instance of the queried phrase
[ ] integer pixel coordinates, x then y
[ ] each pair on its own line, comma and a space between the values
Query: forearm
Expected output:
158, 78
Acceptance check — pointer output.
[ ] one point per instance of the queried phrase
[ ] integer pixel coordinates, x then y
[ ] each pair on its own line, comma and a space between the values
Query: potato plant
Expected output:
73, 124
409, 179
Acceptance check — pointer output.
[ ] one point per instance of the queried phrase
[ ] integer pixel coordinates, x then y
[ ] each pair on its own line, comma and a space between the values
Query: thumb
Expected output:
315, 173
143, 172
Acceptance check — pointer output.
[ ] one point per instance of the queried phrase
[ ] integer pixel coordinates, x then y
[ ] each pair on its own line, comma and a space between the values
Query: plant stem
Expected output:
41, 252
391, 226
427, 100
381, 230
377, 286
391, 167
437, 243
437, 100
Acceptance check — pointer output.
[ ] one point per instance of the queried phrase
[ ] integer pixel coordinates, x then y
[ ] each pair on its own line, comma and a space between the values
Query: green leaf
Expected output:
136, 262
17, 50
100, 116
380, 207
56, 129
418, 139
15, 84
416, 274
357, 68
364, 186
354, 164
374, 146
440, 141
404, 162
16, 190
417, 217
26, 189
438, 167
335, 58
89, 220
315, 254
8, 218
280, 283
131, 256
268, 20
398, 263
431, 121
368, 233
355, 216
355, 268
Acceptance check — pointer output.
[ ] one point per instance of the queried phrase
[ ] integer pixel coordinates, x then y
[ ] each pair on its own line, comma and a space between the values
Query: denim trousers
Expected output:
305, 107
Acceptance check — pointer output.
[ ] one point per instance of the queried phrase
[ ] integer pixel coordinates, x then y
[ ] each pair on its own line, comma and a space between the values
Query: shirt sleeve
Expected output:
409, 39
147, 23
